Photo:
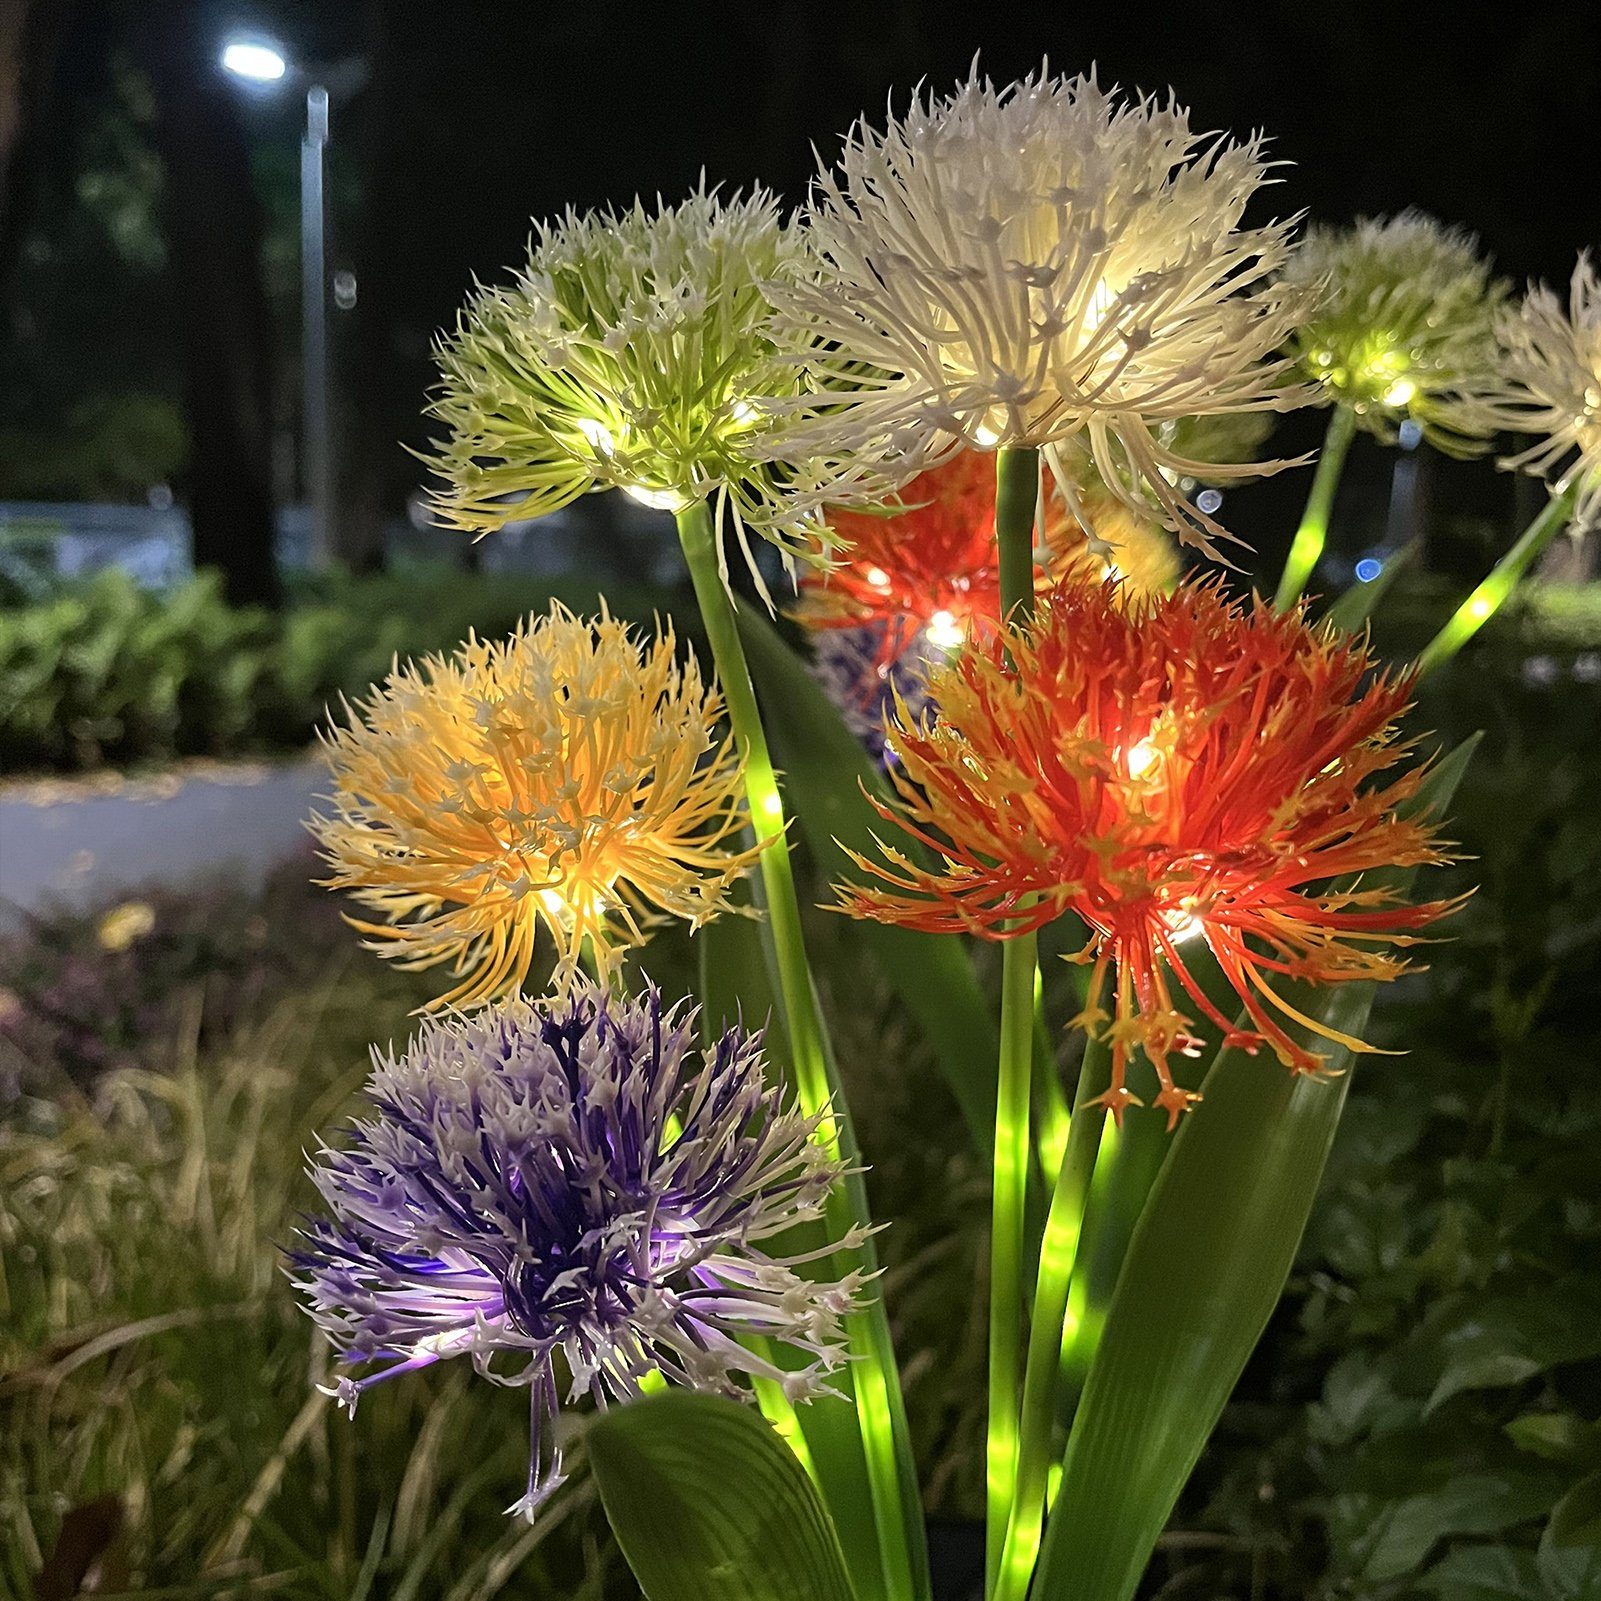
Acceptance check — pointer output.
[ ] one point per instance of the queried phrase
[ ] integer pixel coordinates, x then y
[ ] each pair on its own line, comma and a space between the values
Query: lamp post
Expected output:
260, 62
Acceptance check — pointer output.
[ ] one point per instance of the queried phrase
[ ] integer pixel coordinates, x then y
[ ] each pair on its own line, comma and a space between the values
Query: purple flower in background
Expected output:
568, 1192
861, 673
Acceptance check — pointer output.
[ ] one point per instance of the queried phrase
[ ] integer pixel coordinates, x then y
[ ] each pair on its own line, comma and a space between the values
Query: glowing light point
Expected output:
1400, 392
1142, 757
1480, 607
598, 435
1368, 569
985, 437
656, 499
772, 805
945, 630
254, 60
878, 578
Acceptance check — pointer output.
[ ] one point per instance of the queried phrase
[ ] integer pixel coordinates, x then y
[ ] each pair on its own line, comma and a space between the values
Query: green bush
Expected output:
107, 674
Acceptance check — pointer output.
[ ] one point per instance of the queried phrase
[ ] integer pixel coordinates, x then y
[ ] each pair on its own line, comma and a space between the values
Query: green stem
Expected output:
1017, 477
1063, 1229
1503, 578
880, 1407
1050, 1103
1313, 533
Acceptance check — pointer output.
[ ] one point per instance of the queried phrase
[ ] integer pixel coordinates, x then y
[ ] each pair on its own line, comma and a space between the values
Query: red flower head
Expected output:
1174, 769
932, 566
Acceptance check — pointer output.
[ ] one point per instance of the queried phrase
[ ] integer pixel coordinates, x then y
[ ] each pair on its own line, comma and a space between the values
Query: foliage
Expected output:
152, 1353
1427, 1399
105, 673
1329, 1468
85, 993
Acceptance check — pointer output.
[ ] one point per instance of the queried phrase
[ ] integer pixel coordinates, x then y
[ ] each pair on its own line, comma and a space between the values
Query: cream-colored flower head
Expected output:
569, 779
1036, 264
1402, 325
629, 353
1549, 384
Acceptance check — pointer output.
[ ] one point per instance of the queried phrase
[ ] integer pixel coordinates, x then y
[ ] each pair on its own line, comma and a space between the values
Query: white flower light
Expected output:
1550, 385
1030, 265
634, 351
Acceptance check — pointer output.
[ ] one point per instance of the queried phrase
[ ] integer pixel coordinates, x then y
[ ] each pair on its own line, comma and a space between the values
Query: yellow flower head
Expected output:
125, 925
569, 776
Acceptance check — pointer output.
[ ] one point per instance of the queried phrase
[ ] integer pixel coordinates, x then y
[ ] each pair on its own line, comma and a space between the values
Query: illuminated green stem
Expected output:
1050, 1104
1064, 1226
1503, 578
1017, 477
880, 1408
1313, 533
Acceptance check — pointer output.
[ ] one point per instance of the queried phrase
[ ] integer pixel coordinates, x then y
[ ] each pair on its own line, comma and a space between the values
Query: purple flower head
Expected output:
572, 1187
862, 679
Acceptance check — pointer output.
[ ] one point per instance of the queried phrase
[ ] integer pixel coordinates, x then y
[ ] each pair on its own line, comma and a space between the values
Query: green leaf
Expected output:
1485, 1573
1570, 1548
1514, 1338
1558, 1437
825, 771
1359, 602
735, 984
1205, 1269
1406, 1531
708, 1504
1576, 1522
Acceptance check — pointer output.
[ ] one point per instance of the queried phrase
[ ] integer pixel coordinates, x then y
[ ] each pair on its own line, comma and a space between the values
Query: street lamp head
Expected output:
255, 60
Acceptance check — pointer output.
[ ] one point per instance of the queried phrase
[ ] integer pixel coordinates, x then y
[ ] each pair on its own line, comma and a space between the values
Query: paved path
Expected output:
77, 843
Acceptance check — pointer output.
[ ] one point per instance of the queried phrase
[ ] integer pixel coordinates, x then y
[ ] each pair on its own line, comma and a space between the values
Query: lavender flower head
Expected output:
862, 672
570, 1179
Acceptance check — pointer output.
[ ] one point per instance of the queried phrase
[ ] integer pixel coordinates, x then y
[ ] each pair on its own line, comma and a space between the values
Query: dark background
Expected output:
148, 252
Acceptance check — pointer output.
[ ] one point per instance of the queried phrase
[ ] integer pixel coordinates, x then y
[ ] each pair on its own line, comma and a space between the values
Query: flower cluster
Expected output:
1402, 326
910, 586
1035, 265
562, 1184
568, 778
1182, 768
927, 567
1549, 383
632, 352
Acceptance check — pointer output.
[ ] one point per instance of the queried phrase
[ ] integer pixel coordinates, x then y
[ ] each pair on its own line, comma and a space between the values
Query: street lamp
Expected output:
260, 61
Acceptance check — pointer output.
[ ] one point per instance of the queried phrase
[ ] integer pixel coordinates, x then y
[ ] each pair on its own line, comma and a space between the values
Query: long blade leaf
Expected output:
708, 1504
1206, 1266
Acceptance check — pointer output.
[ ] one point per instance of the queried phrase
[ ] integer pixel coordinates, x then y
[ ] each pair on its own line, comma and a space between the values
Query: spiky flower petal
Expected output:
564, 1189
1402, 325
1549, 384
1037, 264
570, 777
926, 564
631, 353
1180, 768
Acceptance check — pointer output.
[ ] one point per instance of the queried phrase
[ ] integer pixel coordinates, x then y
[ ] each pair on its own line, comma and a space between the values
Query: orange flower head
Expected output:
1175, 769
568, 778
931, 568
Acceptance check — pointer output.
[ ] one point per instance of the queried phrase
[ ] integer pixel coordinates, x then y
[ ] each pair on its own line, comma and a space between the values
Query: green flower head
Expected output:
1403, 323
633, 351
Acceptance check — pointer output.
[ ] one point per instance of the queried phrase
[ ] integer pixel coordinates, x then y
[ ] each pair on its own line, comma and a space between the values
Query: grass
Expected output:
160, 1383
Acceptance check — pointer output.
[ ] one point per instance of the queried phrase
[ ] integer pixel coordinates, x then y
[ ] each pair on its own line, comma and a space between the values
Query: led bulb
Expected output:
656, 499
1142, 757
598, 435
